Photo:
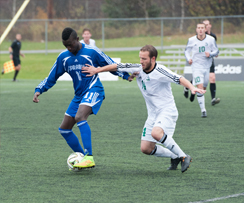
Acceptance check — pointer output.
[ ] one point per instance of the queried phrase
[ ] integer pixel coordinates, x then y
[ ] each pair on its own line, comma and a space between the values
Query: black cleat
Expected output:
185, 163
215, 101
186, 92
174, 163
192, 97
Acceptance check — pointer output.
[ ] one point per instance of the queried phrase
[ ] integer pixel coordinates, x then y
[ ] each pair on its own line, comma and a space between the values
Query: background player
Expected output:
212, 68
199, 52
154, 81
86, 34
89, 91
14, 51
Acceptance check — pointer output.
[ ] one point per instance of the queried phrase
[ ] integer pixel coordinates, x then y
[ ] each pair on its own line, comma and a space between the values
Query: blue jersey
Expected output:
72, 64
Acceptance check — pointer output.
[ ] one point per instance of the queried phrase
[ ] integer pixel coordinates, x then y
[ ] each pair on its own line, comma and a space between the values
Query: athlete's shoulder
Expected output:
193, 38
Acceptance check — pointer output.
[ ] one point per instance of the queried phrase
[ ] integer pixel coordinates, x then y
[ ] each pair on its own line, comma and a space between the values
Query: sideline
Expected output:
219, 198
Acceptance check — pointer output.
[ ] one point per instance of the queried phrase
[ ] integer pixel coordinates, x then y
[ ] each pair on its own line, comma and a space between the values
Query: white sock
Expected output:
164, 152
170, 144
201, 101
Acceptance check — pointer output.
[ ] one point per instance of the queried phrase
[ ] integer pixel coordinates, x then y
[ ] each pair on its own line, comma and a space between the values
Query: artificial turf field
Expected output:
33, 153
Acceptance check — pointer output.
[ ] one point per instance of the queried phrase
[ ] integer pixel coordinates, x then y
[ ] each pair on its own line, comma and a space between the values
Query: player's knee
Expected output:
212, 78
146, 150
79, 118
157, 133
147, 147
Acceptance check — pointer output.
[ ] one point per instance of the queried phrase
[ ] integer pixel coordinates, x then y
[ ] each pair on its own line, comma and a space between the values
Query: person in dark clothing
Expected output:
14, 51
212, 68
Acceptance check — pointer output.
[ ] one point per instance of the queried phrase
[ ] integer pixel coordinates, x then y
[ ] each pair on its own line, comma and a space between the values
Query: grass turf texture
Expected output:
33, 153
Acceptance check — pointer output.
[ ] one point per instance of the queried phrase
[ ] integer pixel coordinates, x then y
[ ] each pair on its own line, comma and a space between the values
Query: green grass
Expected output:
127, 42
33, 153
37, 66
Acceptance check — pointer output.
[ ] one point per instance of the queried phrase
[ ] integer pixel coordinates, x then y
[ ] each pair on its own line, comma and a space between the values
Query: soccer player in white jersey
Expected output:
154, 81
199, 53
89, 91
86, 34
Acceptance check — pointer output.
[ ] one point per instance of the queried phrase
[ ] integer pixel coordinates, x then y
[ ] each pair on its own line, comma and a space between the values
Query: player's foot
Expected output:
192, 97
215, 101
186, 92
185, 163
174, 163
204, 114
2, 71
86, 162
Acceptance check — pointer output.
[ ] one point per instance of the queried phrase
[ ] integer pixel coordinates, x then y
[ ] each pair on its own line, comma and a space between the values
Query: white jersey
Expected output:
155, 88
195, 50
92, 42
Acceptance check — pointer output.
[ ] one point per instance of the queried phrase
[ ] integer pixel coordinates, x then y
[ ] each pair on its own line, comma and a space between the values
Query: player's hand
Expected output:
90, 70
190, 61
35, 98
195, 90
207, 54
132, 76
11, 56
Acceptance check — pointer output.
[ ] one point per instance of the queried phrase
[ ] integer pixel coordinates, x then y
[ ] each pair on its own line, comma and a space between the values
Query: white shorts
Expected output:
200, 76
165, 121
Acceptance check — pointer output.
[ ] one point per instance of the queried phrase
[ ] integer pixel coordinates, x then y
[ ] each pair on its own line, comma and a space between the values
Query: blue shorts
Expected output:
92, 98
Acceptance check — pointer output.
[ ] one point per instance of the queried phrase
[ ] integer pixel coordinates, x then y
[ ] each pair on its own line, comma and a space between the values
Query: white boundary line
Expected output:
219, 198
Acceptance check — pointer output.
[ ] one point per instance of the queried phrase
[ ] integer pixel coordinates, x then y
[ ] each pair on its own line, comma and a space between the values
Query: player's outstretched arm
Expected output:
186, 83
35, 98
91, 70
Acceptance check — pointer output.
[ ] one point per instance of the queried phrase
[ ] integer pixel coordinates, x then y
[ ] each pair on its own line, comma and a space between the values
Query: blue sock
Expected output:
85, 132
71, 140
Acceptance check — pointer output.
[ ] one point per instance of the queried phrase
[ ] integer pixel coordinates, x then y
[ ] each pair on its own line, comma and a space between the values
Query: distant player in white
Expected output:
86, 34
199, 52
154, 82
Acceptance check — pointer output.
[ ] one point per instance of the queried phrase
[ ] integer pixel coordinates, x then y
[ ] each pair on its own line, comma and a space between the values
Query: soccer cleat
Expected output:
186, 92
174, 163
215, 101
86, 162
204, 114
185, 163
192, 97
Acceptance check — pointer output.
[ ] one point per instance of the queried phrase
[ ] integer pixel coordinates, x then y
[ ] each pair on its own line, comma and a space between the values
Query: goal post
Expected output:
13, 21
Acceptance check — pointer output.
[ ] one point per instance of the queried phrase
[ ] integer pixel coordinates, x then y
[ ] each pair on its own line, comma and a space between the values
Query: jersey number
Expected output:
201, 49
78, 75
143, 85
197, 79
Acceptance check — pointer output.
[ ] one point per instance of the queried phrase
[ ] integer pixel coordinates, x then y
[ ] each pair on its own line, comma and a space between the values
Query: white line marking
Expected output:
219, 198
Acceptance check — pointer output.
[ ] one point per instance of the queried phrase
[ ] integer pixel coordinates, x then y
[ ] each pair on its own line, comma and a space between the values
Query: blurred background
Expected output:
121, 23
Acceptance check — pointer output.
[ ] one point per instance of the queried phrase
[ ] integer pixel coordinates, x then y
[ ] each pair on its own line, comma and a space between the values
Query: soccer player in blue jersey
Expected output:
89, 91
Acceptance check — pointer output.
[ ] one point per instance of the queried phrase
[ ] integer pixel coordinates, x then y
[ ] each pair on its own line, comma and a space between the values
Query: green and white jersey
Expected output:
155, 87
195, 50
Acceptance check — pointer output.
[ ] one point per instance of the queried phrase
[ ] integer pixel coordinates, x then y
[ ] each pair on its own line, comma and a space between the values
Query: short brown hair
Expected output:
86, 29
151, 49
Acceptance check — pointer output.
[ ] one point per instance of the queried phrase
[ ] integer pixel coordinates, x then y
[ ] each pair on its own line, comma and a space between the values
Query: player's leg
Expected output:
201, 101
17, 68
163, 131
212, 81
149, 146
186, 91
201, 78
168, 142
66, 126
90, 103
